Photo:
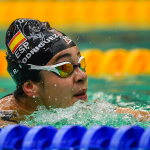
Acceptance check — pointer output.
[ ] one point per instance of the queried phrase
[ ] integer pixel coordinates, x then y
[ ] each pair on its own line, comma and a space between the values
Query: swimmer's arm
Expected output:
141, 115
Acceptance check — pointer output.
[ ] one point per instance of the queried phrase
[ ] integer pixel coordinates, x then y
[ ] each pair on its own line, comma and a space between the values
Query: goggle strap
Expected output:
48, 68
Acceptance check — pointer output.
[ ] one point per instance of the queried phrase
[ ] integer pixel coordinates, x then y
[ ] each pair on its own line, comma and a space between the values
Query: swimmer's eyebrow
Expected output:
63, 55
66, 55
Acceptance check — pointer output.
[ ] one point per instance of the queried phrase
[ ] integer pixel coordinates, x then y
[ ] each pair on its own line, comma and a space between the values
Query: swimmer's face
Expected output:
55, 91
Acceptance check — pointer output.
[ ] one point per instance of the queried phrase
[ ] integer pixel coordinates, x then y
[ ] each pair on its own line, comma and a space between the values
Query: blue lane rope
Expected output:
20, 137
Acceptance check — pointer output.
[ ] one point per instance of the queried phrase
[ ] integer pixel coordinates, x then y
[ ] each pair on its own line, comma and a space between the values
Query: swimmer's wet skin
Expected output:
140, 115
47, 68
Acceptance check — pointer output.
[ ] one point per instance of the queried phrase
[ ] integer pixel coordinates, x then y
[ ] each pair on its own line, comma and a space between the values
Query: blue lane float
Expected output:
20, 137
11, 136
144, 142
68, 137
126, 137
97, 137
39, 137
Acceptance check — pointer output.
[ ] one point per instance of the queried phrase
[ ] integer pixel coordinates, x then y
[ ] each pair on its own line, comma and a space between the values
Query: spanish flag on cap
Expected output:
16, 41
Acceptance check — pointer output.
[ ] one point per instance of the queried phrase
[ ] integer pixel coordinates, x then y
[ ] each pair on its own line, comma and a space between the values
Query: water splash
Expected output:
96, 112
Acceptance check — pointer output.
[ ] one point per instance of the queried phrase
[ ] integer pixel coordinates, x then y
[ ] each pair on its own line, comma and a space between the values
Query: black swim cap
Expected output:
30, 41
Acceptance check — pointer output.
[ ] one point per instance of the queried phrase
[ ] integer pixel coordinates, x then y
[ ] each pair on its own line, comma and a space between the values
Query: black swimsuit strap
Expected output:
8, 118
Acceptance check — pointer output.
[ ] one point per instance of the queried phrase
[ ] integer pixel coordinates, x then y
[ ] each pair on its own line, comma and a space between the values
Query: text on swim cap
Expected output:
37, 48
21, 49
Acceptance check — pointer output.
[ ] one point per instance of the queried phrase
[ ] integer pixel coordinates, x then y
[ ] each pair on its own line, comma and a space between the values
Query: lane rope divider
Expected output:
115, 62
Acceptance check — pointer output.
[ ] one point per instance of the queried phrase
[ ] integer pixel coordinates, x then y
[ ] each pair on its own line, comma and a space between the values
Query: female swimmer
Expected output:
47, 68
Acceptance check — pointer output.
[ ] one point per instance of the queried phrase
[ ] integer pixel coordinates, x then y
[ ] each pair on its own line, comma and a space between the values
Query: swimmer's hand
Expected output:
140, 115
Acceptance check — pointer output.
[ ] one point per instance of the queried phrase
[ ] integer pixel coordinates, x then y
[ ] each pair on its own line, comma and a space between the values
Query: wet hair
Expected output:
19, 92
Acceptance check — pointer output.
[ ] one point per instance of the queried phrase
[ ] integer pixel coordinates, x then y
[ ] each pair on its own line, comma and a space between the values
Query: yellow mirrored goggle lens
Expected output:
65, 70
82, 65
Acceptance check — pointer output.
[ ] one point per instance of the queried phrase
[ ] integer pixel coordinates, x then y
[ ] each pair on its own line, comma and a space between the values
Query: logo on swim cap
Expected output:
16, 41
66, 39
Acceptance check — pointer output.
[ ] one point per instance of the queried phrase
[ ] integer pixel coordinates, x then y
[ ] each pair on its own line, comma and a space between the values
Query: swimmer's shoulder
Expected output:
6, 103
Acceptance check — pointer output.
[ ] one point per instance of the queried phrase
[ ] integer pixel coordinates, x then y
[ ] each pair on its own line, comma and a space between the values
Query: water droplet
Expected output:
133, 92
33, 96
118, 98
55, 84
49, 96
109, 37
55, 99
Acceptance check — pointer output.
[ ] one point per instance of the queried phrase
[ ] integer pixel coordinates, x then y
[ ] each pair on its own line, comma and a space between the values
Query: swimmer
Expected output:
48, 70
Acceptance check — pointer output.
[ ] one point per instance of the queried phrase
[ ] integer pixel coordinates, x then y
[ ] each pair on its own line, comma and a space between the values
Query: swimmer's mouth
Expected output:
81, 94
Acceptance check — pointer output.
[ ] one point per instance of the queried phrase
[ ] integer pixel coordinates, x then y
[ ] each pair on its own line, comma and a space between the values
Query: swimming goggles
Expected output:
63, 69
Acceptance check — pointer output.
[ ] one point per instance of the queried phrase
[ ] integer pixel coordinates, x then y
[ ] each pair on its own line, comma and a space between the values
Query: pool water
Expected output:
103, 94
6, 86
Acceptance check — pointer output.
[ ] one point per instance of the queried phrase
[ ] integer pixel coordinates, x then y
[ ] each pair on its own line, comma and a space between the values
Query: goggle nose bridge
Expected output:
78, 65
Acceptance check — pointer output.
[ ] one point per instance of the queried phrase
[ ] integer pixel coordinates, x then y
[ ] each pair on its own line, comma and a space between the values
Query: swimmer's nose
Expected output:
80, 76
